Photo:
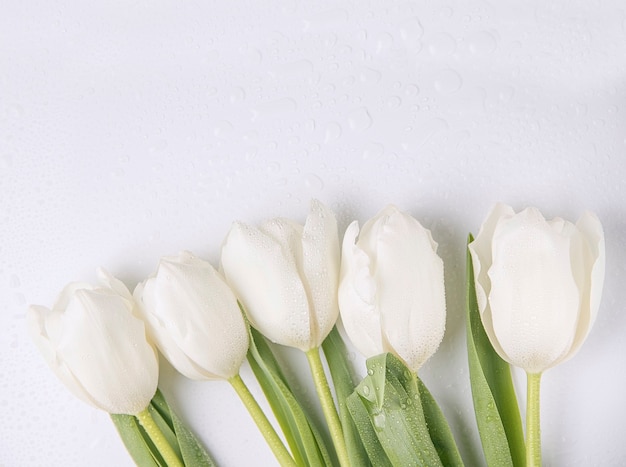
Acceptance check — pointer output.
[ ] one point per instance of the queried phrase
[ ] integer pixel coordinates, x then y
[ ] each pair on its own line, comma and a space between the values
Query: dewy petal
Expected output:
357, 297
534, 298
268, 285
190, 284
481, 252
119, 370
39, 319
411, 292
320, 266
588, 262
480, 249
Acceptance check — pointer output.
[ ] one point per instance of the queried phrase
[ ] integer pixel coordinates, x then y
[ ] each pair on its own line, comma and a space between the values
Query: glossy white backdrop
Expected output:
131, 130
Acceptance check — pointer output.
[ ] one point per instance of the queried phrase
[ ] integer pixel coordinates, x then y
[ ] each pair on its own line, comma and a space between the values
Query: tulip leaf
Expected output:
391, 398
182, 440
137, 443
495, 403
439, 430
304, 439
191, 450
335, 353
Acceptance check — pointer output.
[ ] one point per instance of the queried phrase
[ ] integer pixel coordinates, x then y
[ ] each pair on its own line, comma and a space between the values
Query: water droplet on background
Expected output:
441, 45
481, 43
313, 183
359, 119
447, 81
332, 132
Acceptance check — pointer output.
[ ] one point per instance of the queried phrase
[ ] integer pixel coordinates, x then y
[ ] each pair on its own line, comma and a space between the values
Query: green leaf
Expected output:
439, 430
335, 353
365, 428
390, 396
137, 443
304, 439
182, 440
495, 403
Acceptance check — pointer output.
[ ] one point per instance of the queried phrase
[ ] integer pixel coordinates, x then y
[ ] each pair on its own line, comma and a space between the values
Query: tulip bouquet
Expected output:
533, 292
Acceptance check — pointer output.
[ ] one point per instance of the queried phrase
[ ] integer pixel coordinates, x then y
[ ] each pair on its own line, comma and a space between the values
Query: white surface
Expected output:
131, 130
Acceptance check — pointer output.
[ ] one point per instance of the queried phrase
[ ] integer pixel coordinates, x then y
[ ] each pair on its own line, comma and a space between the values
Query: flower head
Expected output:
194, 318
96, 344
391, 294
538, 284
286, 276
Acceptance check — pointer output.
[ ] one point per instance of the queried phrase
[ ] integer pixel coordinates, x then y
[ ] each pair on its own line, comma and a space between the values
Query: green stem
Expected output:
156, 435
328, 405
533, 430
266, 428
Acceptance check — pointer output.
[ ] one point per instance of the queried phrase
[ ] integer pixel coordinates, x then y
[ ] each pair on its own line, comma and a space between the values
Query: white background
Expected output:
134, 129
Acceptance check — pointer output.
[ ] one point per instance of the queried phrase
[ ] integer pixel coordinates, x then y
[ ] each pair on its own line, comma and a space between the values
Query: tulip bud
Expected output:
391, 292
96, 344
538, 284
286, 276
194, 318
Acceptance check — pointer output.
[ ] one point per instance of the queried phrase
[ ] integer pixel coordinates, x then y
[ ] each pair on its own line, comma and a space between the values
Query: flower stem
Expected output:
156, 435
533, 430
267, 430
328, 405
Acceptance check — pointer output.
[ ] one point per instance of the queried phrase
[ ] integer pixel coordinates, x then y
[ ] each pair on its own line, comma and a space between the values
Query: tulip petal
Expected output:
40, 320
357, 294
191, 299
268, 283
534, 298
320, 268
108, 363
411, 292
589, 260
480, 250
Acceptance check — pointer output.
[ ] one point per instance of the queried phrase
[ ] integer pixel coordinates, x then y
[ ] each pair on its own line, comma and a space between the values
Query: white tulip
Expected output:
538, 284
194, 318
286, 276
96, 344
391, 293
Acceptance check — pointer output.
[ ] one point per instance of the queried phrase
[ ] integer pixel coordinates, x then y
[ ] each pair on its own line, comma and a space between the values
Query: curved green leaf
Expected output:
182, 440
439, 430
390, 396
495, 403
335, 353
304, 439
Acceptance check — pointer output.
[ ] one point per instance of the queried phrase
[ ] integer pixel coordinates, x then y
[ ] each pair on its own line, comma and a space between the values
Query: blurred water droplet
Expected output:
369, 75
236, 95
15, 281
332, 132
223, 129
309, 125
411, 31
359, 119
447, 81
383, 42
481, 43
412, 90
441, 44
394, 102
273, 167
380, 420
313, 183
